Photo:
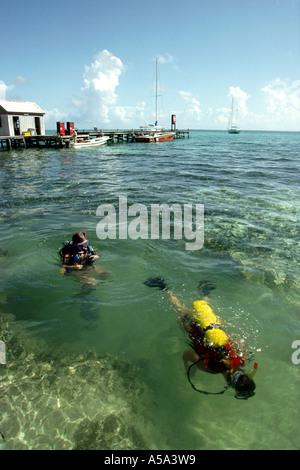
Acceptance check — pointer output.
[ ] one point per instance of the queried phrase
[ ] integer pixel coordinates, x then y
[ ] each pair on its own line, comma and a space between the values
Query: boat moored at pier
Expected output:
154, 134
82, 143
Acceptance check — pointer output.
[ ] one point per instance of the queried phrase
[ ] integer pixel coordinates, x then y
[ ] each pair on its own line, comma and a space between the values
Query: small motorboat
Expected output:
81, 142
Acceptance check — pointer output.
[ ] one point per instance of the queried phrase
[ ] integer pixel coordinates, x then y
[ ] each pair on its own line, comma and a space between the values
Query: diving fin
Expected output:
205, 287
157, 282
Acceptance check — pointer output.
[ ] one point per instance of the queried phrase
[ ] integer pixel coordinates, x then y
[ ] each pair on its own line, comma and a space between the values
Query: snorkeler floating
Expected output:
78, 252
212, 350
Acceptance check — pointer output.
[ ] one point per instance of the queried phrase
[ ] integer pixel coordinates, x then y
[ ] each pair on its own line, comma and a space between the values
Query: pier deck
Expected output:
59, 141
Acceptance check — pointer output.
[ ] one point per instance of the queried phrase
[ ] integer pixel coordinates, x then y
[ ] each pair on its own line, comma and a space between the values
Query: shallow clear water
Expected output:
132, 391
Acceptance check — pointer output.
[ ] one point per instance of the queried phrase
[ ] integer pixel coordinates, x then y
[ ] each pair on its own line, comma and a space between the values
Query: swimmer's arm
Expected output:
100, 270
181, 309
72, 266
64, 262
90, 257
189, 355
94, 257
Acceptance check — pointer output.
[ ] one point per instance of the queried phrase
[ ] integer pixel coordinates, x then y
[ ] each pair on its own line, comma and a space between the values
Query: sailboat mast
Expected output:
156, 94
233, 129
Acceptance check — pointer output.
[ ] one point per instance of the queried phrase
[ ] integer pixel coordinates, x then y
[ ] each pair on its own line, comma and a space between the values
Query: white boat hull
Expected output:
234, 130
89, 142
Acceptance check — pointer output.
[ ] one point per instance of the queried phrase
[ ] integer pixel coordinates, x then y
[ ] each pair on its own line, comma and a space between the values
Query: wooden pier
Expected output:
60, 141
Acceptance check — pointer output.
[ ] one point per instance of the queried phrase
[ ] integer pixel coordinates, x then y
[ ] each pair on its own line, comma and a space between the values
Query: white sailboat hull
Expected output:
233, 130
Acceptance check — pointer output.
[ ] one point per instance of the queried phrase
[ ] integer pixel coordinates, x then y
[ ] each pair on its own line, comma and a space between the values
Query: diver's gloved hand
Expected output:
157, 282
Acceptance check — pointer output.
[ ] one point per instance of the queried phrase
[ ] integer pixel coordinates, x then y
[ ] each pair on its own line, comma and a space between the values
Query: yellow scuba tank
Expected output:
203, 315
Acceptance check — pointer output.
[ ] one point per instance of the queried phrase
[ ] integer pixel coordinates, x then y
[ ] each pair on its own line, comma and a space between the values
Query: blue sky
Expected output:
93, 62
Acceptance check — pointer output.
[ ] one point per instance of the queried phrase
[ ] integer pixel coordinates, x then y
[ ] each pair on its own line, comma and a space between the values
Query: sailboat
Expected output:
232, 129
155, 133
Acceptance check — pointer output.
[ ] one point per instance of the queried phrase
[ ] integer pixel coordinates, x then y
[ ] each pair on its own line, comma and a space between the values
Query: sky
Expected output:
93, 62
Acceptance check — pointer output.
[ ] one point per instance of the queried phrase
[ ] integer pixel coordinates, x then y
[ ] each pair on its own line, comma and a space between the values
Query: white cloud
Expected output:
3, 89
167, 59
103, 74
192, 111
283, 100
280, 109
130, 116
100, 80
195, 117
21, 81
76, 102
240, 98
219, 118
97, 105
276, 106
54, 115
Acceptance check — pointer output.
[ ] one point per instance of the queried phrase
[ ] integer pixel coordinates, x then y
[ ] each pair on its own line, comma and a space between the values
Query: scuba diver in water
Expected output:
78, 253
211, 349
76, 256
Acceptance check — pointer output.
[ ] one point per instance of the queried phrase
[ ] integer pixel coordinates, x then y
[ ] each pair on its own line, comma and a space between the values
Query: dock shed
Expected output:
21, 117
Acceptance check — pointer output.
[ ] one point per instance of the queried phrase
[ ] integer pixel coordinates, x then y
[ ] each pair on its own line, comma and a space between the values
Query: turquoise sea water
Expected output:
93, 360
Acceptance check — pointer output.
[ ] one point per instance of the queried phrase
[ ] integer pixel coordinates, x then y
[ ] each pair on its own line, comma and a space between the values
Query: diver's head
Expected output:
243, 385
78, 237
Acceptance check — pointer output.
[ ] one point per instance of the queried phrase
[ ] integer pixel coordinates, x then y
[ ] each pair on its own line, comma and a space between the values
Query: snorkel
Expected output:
254, 370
